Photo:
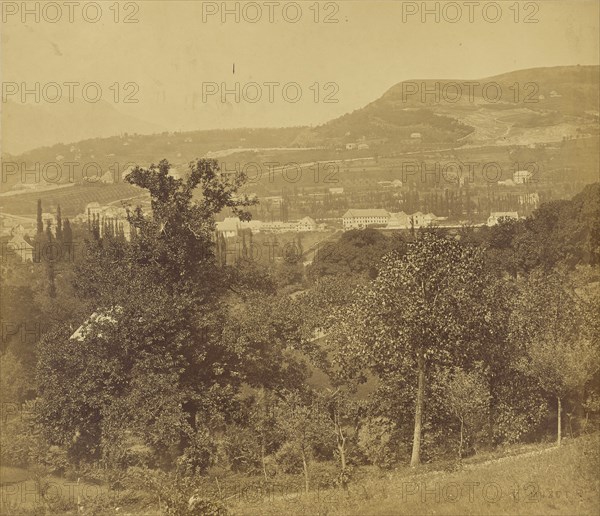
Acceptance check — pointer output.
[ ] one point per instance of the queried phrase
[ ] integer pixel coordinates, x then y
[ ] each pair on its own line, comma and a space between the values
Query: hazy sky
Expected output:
171, 51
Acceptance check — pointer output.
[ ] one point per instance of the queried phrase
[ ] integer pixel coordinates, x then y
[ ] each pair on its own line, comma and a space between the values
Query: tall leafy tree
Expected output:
425, 306
164, 322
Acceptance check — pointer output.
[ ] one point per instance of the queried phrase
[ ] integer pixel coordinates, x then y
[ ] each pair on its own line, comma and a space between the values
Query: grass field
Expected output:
519, 480
542, 480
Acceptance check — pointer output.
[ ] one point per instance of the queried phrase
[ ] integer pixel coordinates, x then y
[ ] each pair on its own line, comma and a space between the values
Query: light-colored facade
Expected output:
358, 219
404, 221
306, 224
522, 176
399, 221
229, 227
495, 216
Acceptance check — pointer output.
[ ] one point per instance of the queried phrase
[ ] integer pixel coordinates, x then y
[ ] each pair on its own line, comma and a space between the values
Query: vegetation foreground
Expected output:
164, 377
531, 479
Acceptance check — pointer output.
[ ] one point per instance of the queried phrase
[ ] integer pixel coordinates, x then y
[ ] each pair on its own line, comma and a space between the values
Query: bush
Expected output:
21, 445
512, 425
176, 495
199, 455
199, 505
241, 450
377, 440
289, 459
324, 475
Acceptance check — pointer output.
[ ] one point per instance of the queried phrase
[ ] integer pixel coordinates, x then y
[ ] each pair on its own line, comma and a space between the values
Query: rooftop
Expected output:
366, 213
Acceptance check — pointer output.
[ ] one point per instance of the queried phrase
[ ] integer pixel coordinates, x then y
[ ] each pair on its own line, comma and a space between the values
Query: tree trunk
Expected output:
305, 468
415, 459
263, 443
460, 445
559, 429
263, 450
341, 445
342, 450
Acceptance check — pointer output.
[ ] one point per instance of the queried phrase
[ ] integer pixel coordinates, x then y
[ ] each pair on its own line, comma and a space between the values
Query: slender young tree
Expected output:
556, 327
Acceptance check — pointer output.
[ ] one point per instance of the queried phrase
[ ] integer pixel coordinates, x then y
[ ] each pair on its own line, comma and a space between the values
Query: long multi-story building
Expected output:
359, 219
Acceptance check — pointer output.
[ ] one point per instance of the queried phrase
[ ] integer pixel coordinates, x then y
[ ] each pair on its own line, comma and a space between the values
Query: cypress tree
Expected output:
50, 263
59, 228
67, 232
67, 236
40, 222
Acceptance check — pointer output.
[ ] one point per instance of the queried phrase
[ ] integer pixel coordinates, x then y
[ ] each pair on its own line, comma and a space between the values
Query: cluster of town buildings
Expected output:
352, 219
359, 219
231, 226
17, 228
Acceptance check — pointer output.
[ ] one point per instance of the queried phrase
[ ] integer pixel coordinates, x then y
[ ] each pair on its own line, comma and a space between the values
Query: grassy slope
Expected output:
545, 480
530, 479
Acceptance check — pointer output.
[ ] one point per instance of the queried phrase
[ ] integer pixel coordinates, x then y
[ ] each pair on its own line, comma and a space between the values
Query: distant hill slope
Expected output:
28, 126
572, 89
531, 98
565, 111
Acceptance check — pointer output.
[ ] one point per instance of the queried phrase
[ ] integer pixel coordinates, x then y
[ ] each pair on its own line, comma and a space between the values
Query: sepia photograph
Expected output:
302, 258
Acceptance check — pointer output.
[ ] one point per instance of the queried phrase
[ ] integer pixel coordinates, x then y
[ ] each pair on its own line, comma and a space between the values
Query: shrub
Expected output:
199, 455
377, 439
289, 458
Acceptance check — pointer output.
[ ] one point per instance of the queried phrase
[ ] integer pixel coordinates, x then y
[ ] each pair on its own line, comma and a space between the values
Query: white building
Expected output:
306, 224
93, 208
363, 146
422, 220
495, 216
358, 219
531, 199
399, 221
19, 245
273, 200
229, 227
279, 227
506, 182
417, 220
253, 225
107, 178
336, 190
522, 176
